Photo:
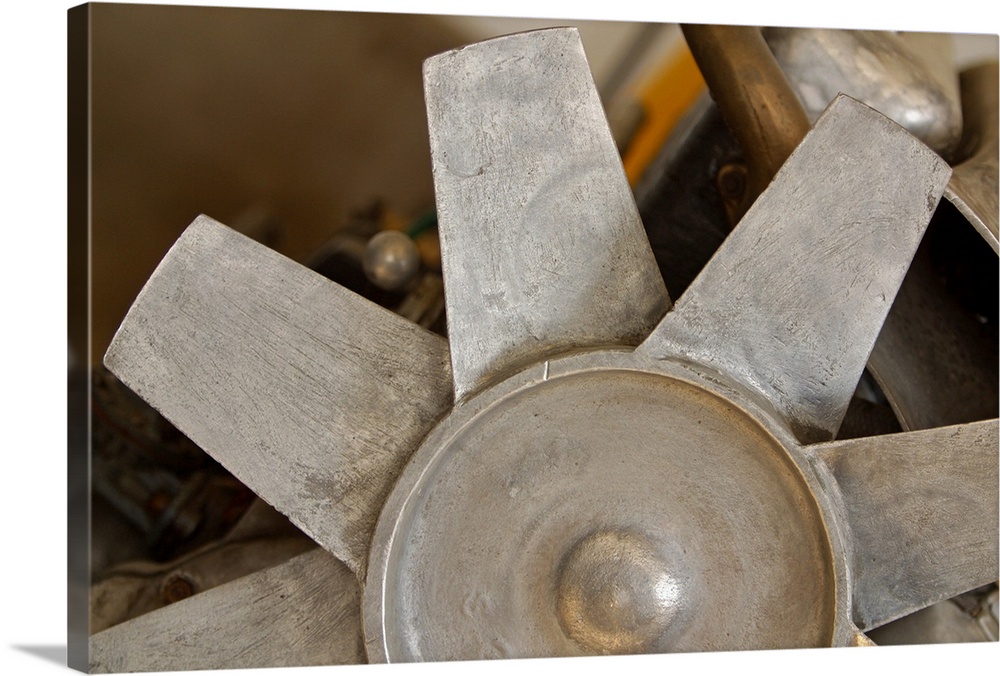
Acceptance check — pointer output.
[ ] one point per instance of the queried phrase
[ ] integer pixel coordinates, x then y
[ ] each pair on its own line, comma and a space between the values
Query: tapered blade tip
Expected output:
562, 34
115, 358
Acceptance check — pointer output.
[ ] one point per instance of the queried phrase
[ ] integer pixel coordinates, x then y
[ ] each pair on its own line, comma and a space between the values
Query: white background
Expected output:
32, 262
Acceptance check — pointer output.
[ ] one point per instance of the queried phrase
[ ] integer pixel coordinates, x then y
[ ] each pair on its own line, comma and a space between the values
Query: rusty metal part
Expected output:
177, 587
755, 98
262, 538
161, 490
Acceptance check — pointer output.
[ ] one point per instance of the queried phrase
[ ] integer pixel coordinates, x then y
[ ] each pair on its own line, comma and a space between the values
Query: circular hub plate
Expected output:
601, 511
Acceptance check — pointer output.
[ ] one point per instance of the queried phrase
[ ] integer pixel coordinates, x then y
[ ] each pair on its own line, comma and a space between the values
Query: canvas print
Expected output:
430, 338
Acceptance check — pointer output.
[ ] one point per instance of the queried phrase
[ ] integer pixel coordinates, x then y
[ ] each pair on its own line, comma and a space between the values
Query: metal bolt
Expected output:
176, 588
732, 180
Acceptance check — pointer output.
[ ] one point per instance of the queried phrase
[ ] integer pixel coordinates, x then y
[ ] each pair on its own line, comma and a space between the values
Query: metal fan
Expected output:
579, 468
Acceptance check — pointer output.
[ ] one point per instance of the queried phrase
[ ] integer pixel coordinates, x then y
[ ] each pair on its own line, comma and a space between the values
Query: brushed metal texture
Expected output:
311, 395
541, 241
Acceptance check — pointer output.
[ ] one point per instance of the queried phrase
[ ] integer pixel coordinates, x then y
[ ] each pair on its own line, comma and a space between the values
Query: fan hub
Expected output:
616, 593
600, 504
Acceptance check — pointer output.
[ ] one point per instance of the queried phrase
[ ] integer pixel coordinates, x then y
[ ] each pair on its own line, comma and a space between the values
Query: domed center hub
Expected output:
586, 508
615, 593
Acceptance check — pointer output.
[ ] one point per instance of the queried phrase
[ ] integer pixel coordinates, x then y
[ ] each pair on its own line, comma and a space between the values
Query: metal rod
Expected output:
755, 99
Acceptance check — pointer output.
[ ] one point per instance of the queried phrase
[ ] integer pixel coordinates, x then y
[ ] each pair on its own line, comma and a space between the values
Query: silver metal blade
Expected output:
541, 240
304, 612
922, 512
311, 395
793, 300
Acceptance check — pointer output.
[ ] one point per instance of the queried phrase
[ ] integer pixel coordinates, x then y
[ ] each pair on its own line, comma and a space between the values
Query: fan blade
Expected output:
541, 241
795, 297
921, 508
973, 187
304, 612
311, 395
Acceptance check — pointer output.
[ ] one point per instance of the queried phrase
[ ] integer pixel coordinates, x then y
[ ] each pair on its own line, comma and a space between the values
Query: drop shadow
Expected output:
50, 653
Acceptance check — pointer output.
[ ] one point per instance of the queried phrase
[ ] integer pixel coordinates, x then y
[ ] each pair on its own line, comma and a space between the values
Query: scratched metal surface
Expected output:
922, 512
311, 395
602, 504
973, 186
241, 348
795, 297
301, 613
541, 241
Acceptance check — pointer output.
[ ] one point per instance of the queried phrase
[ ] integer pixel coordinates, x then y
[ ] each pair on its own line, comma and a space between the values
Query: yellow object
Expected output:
666, 97
391, 220
429, 247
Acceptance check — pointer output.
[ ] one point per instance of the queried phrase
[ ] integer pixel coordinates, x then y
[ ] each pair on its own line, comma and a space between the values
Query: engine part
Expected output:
909, 77
159, 494
578, 469
757, 102
261, 539
391, 260
973, 187
399, 271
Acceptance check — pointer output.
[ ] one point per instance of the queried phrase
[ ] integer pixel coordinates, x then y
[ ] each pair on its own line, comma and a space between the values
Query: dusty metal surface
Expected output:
605, 503
301, 613
935, 358
276, 373
263, 538
595, 501
795, 297
541, 242
922, 513
973, 186
909, 79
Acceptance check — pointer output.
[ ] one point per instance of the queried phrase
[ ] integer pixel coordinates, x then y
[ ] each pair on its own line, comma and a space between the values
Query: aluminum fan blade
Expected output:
795, 297
922, 511
312, 396
304, 612
542, 244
